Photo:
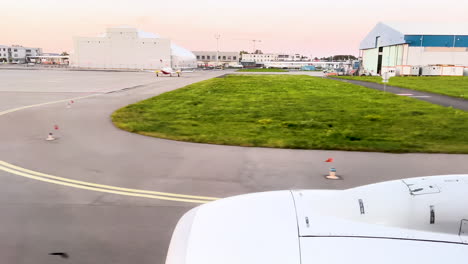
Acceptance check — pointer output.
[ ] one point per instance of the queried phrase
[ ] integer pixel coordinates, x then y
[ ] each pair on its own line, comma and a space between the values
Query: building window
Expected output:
198, 57
28, 50
224, 57
234, 58
229, 58
15, 55
15, 50
219, 57
202, 57
207, 57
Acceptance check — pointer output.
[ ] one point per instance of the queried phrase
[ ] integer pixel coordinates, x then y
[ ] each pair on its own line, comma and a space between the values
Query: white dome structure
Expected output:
181, 58
126, 47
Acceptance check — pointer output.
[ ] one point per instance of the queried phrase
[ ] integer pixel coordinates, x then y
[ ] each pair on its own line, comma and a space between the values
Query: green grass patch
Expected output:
284, 111
262, 70
446, 85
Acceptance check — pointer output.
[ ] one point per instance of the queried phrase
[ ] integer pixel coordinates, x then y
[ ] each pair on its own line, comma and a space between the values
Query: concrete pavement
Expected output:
99, 227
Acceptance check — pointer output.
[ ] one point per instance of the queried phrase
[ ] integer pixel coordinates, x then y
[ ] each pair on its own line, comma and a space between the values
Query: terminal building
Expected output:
413, 48
130, 48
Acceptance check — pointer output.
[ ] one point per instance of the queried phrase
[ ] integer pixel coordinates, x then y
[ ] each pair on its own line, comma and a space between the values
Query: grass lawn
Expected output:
304, 112
447, 85
262, 70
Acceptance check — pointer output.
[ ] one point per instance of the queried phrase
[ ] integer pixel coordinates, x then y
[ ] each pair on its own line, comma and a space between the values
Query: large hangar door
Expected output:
379, 60
379, 57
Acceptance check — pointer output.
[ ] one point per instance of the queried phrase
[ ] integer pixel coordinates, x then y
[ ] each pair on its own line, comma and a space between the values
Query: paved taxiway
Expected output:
443, 100
95, 226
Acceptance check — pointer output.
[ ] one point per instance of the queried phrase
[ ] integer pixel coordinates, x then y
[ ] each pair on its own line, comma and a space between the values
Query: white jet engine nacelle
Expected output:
417, 220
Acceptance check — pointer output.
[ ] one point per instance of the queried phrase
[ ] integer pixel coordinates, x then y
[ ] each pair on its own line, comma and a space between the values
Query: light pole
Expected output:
254, 41
217, 36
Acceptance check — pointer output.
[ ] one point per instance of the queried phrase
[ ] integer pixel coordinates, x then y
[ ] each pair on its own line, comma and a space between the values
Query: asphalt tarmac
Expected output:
91, 219
443, 100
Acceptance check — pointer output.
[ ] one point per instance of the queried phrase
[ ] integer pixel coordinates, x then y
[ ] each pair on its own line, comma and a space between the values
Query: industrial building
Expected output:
415, 49
129, 48
225, 58
17, 53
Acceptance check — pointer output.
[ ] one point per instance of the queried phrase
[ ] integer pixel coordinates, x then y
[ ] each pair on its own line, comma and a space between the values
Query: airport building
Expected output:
208, 58
409, 48
262, 60
129, 48
259, 58
17, 53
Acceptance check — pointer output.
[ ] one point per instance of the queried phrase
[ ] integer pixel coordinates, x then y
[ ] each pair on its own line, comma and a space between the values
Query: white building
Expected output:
129, 48
398, 45
259, 58
262, 59
17, 53
223, 56
3, 53
293, 57
208, 58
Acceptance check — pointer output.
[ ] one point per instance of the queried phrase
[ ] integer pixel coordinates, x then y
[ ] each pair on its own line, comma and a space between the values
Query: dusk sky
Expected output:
317, 28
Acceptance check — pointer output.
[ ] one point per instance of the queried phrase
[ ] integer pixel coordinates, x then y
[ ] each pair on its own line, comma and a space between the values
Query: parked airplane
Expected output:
168, 71
416, 220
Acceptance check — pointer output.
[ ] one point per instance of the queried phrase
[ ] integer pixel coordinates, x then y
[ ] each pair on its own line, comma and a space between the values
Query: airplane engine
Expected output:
416, 220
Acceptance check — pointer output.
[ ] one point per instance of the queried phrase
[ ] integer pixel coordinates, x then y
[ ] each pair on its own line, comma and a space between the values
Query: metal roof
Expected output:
418, 28
395, 33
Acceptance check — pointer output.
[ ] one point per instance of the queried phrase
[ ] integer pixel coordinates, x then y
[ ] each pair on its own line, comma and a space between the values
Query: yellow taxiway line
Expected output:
42, 104
19, 171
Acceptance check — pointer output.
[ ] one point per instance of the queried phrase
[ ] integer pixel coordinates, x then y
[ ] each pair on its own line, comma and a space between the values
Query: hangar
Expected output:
414, 44
130, 48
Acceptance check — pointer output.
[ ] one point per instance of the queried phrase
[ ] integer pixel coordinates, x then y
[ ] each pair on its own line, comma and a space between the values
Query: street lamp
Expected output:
217, 36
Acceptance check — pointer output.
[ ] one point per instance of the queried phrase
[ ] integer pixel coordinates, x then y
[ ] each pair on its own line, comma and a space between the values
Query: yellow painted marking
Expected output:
10, 168
99, 189
4, 164
48, 103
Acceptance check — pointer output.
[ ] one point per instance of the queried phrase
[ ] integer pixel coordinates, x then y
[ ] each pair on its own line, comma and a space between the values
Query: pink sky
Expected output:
317, 28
